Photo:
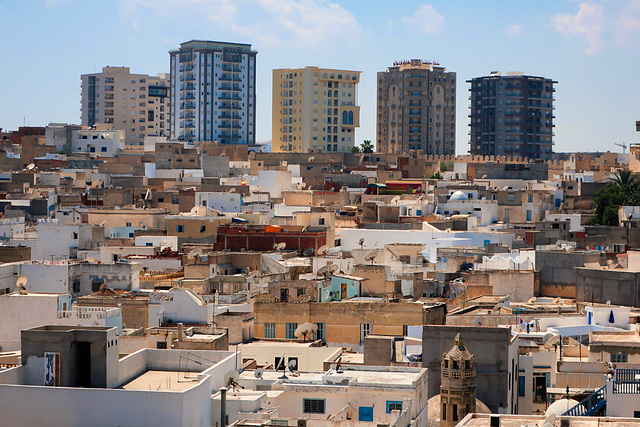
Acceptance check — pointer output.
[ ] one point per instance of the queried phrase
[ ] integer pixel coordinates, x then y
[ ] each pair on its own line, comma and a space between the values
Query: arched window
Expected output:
350, 117
344, 118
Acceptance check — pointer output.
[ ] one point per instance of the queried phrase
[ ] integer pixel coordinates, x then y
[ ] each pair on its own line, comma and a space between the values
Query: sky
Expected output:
590, 48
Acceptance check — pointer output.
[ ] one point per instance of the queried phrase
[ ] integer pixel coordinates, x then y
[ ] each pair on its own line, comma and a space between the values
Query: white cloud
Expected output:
587, 23
628, 24
427, 19
270, 22
514, 30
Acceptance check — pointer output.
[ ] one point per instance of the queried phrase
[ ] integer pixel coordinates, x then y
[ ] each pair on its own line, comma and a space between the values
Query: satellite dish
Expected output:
304, 331
311, 159
498, 306
531, 300
232, 190
553, 341
231, 378
478, 321
258, 373
583, 311
550, 420
308, 252
103, 223
557, 300
324, 270
321, 202
254, 273
395, 200
361, 242
194, 253
608, 303
30, 166
280, 246
292, 365
21, 284
322, 250
143, 225
370, 257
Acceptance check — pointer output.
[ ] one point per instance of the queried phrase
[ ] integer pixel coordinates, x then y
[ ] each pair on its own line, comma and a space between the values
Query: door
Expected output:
83, 364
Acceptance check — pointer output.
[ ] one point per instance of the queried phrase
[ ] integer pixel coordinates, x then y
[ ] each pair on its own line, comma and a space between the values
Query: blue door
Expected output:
365, 413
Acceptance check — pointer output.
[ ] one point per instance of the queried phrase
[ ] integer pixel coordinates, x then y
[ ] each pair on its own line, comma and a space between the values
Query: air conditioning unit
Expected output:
565, 422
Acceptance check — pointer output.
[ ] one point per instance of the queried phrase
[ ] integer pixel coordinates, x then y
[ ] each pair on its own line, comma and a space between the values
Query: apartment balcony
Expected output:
187, 77
230, 88
188, 96
188, 125
514, 104
229, 107
184, 68
229, 116
229, 78
233, 135
187, 105
230, 97
188, 115
230, 126
230, 69
187, 87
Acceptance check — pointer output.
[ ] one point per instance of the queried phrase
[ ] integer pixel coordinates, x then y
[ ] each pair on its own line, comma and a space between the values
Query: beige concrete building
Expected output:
135, 103
315, 109
416, 108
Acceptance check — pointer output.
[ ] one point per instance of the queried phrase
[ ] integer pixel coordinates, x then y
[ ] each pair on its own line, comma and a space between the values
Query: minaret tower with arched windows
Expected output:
458, 384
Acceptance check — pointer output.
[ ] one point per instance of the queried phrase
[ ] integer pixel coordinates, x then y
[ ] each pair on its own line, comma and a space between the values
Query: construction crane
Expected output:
623, 145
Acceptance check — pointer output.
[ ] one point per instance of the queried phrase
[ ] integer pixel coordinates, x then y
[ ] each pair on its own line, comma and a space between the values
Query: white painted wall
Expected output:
224, 202
161, 241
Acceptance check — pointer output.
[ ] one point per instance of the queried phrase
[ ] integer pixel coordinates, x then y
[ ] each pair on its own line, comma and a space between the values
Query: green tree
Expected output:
366, 146
436, 175
623, 189
355, 149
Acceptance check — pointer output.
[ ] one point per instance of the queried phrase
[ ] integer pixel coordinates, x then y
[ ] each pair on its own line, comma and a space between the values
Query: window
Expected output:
291, 328
529, 215
103, 149
320, 221
203, 228
521, 389
365, 413
321, 332
530, 198
455, 412
444, 412
511, 197
180, 229
365, 329
269, 330
619, 358
313, 406
394, 405
75, 236
128, 224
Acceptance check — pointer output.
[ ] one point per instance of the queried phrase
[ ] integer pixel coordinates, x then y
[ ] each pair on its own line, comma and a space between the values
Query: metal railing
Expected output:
589, 405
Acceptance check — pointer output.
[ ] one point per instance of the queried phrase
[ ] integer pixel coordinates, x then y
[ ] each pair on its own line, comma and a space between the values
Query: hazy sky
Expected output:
591, 49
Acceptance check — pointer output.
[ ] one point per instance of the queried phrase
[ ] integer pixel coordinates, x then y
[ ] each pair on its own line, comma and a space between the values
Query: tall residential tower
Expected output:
511, 115
213, 92
416, 108
314, 108
135, 103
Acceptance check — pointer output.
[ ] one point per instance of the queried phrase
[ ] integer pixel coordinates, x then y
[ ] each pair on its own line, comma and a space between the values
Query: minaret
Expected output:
457, 384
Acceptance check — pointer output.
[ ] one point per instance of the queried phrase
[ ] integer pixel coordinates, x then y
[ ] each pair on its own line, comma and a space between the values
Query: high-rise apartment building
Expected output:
135, 103
416, 108
511, 115
314, 108
213, 92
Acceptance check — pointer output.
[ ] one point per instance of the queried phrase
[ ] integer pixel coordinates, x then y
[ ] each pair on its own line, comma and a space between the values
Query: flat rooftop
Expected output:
484, 420
162, 381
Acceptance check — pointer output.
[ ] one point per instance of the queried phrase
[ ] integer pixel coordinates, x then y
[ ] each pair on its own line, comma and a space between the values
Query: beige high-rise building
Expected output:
416, 108
315, 108
135, 103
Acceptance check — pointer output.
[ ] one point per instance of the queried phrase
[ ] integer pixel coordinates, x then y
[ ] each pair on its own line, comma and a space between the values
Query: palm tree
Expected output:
366, 146
355, 149
624, 180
